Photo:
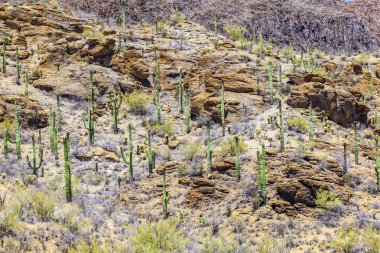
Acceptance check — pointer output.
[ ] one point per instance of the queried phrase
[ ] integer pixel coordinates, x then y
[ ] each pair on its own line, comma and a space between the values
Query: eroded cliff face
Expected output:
329, 24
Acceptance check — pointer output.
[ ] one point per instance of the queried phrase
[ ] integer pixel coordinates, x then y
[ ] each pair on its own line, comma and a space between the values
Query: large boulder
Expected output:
340, 105
130, 63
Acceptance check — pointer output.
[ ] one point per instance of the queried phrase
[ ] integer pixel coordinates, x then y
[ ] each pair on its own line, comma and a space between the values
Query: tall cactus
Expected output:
180, 92
68, 190
17, 139
209, 149
34, 164
59, 114
26, 86
311, 126
128, 159
222, 109
280, 126
53, 133
261, 43
187, 112
377, 167
270, 76
215, 25
165, 196
371, 88
116, 100
356, 143
89, 121
4, 57
262, 174
5, 142
158, 77
157, 102
345, 156
18, 75
237, 165
151, 154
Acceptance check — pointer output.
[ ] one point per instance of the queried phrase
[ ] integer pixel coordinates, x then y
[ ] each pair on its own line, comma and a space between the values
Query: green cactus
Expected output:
18, 75
215, 25
44, 8
165, 196
53, 133
270, 46
237, 165
371, 88
123, 17
151, 154
356, 143
209, 149
89, 121
262, 174
280, 74
187, 113
261, 43
128, 159
280, 126
34, 164
4, 57
26, 87
158, 77
5, 142
222, 109
345, 156
377, 167
17, 140
270, 76
68, 190
116, 100
59, 114
311, 126
157, 102
180, 92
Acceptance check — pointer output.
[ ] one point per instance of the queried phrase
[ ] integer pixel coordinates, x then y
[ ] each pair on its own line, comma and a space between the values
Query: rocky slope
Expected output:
213, 211
327, 24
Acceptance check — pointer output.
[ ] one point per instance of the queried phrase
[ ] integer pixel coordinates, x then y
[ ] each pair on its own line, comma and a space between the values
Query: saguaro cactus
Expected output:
165, 196
215, 25
345, 156
4, 57
270, 76
5, 142
127, 156
158, 77
222, 109
26, 87
151, 154
17, 140
280, 126
68, 191
209, 149
116, 100
377, 167
157, 102
356, 142
53, 133
187, 112
262, 174
89, 121
18, 75
34, 164
59, 114
371, 88
311, 126
180, 93
237, 151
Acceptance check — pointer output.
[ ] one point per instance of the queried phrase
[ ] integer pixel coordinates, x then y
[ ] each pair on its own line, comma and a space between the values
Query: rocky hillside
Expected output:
327, 24
170, 138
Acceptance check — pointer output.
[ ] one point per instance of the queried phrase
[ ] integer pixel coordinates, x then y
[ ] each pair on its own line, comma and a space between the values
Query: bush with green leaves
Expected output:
94, 34
298, 124
221, 244
237, 34
137, 102
190, 149
166, 128
94, 246
270, 244
327, 199
345, 239
159, 237
228, 147
42, 204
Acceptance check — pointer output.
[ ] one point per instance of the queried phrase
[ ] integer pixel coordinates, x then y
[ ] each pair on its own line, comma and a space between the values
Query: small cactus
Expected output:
59, 114
215, 25
151, 154
34, 164
68, 190
26, 86
116, 100
165, 196
17, 140
262, 174
5, 142
157, 102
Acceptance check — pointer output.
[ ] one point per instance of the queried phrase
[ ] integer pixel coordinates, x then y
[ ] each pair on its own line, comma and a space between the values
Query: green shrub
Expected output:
11, 245
236, 32
165, 129
137, 102
326, 199
94, 246
70, 216
298, 124
220, 244
42, 204
191, 149
159, 237
345, 239
176, 18
94, 34
228, 147
272, 245
371, 237
8, 220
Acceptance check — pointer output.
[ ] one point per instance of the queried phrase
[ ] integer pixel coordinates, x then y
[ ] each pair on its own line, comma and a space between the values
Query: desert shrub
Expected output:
271, 244
70, 216
229, 147
220, 244
297, 123
322, 72
326, 199
161, 27
159, 237
361, 59
11, 244
94, 246
9, 220
165, 129
345, 240
94, 34
137, 102
237, 34
371, 237
176, 18
190, 149
42, 204
9, 124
